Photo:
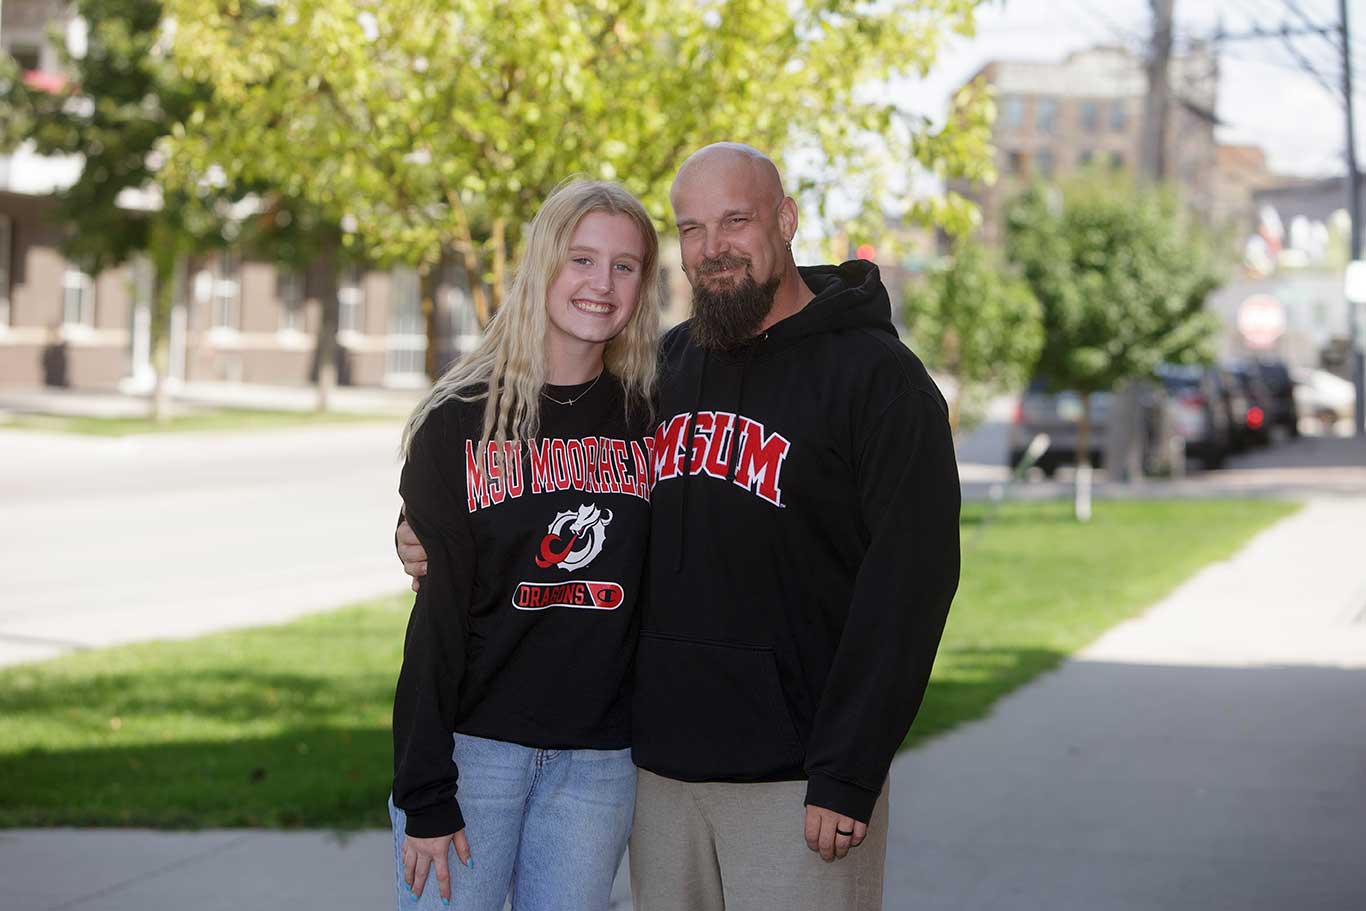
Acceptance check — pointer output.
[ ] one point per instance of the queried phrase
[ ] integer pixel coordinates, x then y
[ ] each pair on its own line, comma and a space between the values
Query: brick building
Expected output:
244, 321
1055, 119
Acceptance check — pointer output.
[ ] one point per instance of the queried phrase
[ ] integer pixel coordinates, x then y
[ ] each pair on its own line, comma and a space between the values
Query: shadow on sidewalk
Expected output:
1118, 786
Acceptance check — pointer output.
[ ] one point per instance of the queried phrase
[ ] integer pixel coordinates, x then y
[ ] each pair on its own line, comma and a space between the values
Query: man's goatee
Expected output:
724, 319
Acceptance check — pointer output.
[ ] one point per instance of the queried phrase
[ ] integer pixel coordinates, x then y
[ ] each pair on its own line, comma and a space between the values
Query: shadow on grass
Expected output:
315, 777
967, 682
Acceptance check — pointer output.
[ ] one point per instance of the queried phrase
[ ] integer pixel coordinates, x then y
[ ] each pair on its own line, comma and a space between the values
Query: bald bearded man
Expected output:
803, 555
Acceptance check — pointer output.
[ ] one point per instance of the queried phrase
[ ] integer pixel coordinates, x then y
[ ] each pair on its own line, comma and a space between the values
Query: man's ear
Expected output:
787, 218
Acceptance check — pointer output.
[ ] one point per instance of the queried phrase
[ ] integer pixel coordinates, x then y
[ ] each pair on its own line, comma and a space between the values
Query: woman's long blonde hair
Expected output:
507, 368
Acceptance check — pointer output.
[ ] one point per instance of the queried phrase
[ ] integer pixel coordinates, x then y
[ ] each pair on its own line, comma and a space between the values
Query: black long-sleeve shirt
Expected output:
525, 626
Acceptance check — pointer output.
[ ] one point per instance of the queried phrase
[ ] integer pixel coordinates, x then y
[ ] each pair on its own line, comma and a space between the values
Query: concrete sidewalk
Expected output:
1209, 754
202, 396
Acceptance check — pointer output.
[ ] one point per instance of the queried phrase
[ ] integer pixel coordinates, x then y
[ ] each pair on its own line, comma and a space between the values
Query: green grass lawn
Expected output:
1037, 585
213, 419
289, 725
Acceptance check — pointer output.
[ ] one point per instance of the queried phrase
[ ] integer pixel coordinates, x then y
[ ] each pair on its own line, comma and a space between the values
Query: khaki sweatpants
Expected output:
715, 846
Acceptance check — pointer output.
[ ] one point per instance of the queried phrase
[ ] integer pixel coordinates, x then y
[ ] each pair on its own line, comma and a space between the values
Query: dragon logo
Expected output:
575, 538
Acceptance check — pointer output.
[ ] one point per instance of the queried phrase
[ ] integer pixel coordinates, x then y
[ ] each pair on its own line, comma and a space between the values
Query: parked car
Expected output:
1323, 395
1250, 405
1057, 414
1198, 412
1280, 386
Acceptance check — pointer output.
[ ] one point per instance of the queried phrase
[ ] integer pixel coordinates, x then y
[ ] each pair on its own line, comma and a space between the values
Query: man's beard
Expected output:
726, 318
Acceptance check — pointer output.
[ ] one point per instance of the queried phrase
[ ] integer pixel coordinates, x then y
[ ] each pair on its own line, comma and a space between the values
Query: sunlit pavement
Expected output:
104, 541
1209, 754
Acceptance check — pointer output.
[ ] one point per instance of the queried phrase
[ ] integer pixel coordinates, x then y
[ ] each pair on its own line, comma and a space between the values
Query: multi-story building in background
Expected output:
245, 320
1056, 119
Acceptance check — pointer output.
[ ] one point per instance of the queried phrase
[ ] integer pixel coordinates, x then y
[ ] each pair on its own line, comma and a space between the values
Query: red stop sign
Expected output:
1261, 320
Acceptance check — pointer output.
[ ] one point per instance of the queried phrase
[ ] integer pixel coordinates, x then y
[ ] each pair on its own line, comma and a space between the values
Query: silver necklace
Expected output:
577, 397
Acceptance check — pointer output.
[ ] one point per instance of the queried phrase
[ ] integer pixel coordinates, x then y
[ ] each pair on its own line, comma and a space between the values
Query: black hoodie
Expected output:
800, 580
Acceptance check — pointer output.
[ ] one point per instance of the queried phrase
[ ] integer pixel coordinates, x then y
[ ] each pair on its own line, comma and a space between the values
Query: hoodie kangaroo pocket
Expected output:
710, 711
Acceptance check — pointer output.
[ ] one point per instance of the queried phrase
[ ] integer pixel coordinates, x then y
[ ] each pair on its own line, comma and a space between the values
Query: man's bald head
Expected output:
735, 228
726, 159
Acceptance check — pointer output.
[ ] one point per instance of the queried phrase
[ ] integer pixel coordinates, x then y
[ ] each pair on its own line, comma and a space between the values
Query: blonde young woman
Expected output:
527, 481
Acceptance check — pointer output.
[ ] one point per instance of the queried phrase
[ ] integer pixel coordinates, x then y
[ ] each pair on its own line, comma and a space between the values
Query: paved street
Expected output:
170, 535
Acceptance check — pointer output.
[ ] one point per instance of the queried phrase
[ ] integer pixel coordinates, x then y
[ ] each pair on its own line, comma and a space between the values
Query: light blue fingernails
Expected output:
470, 863
446, 902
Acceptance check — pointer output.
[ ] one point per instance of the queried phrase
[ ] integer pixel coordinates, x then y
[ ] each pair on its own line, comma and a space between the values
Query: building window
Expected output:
226, 299
1117, 161
26, 56
289, 291
1085, 158
1119, 117
1015, 162
1012, 112
405, 361
78, 298
351, 301
1044, 163
6, 237
1090, 116
1045, 114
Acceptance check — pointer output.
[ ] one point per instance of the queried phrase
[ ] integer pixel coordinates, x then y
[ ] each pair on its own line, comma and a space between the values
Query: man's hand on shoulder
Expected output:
411, 552
831, 835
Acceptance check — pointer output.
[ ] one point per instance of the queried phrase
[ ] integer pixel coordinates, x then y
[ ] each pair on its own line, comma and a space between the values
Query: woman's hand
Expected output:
422, 854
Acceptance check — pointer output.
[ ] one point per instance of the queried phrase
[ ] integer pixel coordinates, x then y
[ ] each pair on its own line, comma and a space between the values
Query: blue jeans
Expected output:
547, 826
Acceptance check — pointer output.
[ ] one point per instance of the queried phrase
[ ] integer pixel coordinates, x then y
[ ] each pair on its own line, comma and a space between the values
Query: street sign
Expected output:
1354, 282
1261, 320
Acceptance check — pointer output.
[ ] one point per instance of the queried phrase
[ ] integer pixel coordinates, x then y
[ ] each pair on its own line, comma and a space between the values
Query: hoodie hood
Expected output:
848, 296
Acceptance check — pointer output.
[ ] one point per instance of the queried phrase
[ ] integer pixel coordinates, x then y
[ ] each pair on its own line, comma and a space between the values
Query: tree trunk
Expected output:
169, 279
1084, 431
469, 253
498, 255
429, 278
325, 352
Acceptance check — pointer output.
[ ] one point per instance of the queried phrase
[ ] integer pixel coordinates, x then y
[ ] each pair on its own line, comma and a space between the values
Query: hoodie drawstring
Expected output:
687, 464
739, 404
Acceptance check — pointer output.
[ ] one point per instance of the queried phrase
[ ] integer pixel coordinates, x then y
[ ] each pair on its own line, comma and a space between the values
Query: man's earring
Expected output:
789, 246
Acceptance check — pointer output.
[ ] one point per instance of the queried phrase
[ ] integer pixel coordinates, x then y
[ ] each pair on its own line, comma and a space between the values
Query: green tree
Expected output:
438, 126
121, 99
976, 322
124, 101
1122, 274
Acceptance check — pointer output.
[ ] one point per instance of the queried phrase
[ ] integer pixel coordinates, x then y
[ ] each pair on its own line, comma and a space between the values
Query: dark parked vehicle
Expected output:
1198, 412
1058, 413
1250, 405
1280, 386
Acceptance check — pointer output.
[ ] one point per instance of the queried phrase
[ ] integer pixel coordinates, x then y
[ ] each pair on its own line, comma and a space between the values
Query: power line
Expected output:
1304, 17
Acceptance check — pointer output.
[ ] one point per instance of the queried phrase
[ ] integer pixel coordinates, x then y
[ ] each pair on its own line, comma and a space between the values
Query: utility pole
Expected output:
1354, 208
1153, 152
1124, 442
